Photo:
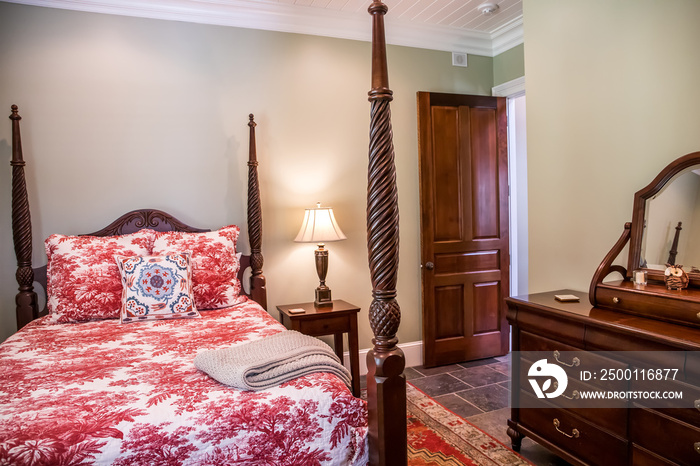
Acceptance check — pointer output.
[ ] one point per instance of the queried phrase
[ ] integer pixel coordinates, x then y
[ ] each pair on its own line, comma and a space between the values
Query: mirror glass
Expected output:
678, 201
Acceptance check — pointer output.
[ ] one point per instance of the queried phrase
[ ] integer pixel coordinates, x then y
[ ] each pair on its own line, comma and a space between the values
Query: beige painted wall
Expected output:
123, 113
612, 98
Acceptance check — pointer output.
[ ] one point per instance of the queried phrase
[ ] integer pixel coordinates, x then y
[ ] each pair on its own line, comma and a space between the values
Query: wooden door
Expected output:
464, 226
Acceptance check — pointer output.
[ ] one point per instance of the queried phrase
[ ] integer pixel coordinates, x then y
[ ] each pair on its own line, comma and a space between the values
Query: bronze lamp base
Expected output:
323, 293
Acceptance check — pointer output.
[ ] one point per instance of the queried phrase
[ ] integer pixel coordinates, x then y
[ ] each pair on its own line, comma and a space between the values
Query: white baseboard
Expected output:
412, 350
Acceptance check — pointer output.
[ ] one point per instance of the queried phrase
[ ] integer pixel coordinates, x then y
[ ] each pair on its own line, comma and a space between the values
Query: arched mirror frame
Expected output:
639, 211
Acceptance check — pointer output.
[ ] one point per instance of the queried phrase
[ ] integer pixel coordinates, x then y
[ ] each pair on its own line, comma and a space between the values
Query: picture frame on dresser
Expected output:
627, 325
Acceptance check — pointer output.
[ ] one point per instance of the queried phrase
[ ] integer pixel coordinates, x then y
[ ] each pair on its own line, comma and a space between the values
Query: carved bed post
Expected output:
26, 301
674, 247
257, 280
386, 384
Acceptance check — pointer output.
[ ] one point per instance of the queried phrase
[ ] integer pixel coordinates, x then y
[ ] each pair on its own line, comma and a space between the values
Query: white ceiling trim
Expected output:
514, 88
283, 17
507, 37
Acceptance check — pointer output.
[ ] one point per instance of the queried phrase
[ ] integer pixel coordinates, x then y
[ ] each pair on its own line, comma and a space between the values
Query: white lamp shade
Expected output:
319, 226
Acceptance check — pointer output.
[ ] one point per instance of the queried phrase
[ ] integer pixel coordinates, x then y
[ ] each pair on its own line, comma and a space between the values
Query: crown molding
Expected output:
282, 17
514, 88
507, 37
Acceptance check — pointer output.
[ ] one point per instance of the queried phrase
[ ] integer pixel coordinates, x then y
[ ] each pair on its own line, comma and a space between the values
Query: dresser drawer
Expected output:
607, 414
690, 413
577, 436
613, 420
665, 436
643, 457
692, 368
533, 342
636, 301
529, 320
573, 360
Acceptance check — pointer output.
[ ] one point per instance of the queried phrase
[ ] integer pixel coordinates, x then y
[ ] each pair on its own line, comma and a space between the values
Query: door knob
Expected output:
429, 265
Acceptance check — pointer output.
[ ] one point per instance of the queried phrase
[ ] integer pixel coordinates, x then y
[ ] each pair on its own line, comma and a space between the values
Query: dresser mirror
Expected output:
666, 221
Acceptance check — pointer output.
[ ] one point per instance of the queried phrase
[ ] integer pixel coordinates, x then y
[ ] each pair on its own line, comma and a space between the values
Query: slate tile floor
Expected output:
479, 391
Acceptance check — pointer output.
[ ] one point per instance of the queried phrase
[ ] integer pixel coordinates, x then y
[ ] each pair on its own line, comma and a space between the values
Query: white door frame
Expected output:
517, 179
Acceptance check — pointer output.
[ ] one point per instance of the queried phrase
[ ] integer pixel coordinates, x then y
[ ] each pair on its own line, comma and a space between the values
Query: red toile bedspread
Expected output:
102, 392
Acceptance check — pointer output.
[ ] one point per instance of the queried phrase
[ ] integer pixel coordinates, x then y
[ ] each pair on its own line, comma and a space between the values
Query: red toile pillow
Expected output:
83, 281
214, 264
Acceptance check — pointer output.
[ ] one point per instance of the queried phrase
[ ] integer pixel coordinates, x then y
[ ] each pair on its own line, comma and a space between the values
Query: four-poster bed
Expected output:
386, 384
340, 416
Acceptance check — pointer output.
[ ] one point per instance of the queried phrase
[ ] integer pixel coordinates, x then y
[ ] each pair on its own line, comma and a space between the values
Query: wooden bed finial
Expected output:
386, 384
380, 74
27, 308
258, 290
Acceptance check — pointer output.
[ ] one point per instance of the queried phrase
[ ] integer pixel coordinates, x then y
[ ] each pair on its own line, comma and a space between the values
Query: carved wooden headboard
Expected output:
26, 299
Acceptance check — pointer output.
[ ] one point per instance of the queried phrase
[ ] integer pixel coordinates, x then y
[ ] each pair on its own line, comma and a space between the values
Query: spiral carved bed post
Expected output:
257, 279
386, 385
27, 308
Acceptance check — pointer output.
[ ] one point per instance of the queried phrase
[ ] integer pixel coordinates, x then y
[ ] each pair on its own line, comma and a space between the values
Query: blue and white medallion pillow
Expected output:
156, 287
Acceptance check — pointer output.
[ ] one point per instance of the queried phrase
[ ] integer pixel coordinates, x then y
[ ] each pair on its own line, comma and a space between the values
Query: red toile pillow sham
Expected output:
83, 280
214, 263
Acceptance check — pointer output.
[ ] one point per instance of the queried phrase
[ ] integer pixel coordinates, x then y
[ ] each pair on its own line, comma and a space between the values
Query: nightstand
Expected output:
334, 320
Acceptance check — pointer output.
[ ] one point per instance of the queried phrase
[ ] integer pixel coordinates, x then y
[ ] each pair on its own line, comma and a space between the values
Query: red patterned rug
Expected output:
437, 437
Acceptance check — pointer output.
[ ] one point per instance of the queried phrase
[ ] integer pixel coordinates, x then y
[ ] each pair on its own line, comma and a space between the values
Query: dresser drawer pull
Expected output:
697, 315
697, 404
616, 300
575, 395
574, 432
574, 362
697, 447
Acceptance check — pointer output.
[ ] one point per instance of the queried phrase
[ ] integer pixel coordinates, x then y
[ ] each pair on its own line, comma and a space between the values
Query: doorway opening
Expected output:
514, 91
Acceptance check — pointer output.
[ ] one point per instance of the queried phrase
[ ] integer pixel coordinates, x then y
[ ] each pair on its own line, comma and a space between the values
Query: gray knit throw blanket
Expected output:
271, 361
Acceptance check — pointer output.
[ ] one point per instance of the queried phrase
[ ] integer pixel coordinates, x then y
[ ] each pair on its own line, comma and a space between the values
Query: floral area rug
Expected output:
438, 437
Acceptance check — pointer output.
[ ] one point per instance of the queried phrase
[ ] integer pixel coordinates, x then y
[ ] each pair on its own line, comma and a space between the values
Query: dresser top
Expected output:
581, 307
582, 312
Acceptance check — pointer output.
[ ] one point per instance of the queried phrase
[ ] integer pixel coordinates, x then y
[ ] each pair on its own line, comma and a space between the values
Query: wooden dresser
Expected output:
637, 320
637, 435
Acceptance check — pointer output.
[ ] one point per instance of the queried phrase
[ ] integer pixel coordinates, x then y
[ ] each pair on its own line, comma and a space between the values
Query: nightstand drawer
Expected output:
325, 326
338, 318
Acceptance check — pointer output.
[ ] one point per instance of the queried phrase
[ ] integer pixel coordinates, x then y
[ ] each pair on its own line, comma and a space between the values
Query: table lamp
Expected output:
319, 226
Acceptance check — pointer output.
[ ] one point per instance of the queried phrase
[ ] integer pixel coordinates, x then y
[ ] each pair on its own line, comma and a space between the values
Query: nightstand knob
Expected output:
616, 300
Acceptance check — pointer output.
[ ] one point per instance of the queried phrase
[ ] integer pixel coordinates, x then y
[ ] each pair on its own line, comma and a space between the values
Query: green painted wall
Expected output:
509, 65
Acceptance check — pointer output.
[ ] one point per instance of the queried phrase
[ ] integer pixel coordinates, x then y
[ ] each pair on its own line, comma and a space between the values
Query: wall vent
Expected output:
459, 59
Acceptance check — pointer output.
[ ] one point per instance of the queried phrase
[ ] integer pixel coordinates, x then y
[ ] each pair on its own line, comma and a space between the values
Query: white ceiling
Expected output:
449, 25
